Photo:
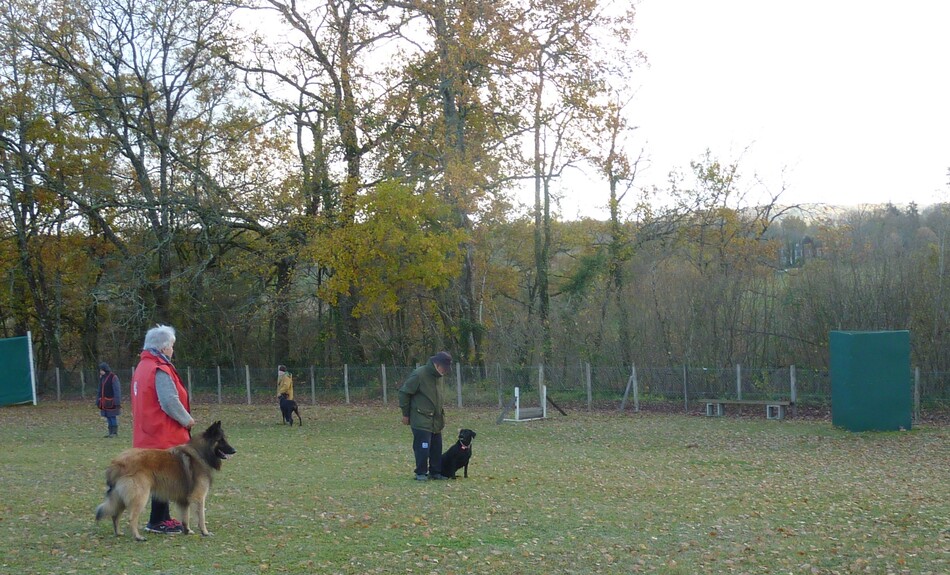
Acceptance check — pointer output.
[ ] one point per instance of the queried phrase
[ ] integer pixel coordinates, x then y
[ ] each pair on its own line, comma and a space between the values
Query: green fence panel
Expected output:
871, 387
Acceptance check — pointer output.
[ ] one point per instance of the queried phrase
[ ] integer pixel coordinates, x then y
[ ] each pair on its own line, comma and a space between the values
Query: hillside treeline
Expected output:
319, 183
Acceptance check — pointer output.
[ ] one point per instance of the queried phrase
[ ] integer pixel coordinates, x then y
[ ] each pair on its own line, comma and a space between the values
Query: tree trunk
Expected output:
284, 276
454, 155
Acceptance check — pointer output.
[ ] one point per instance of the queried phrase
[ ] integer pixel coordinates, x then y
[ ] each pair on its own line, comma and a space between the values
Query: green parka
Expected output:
420, 399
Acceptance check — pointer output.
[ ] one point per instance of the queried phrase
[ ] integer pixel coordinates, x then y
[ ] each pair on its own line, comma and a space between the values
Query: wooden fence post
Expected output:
346, 382
82, 384
385, 397
685, 390
501, 403
636, 390
793, 391
631, 384
739, 382
458, 383
540, 377
218, 369
58, 387
247, 382
590, 395
917, 394
313, 388
188, 372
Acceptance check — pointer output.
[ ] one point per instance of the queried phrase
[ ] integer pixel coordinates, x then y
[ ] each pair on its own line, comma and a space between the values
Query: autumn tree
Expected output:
146, 75
722, 261
330, 76
146, 89
459, 136
565, 52
400, 248
38, 156
619, 170
931, 309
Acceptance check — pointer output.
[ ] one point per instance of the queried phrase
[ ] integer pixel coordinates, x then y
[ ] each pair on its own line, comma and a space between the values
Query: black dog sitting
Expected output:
288, 407
458, 455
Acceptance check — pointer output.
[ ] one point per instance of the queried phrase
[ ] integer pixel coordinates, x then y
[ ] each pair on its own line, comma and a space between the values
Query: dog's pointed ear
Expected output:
215, 428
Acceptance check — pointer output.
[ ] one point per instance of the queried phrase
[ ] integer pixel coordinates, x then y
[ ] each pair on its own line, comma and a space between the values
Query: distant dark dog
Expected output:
181, 474
288, 408
458, 456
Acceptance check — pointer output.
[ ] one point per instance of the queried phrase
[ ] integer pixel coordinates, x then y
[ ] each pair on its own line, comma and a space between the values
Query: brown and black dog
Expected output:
181, 474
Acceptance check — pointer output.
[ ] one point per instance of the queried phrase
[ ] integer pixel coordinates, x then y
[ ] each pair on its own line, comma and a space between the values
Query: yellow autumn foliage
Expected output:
400, 242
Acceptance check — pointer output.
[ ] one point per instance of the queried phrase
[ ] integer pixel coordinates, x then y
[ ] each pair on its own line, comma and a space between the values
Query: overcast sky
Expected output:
851, 98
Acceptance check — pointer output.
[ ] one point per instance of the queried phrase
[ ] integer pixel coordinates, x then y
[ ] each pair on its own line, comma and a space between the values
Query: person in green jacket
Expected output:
420, 399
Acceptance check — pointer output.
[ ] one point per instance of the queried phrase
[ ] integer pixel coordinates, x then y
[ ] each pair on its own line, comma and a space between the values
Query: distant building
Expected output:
795, 254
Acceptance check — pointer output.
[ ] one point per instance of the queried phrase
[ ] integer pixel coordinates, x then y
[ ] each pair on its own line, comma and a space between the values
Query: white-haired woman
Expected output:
161, 415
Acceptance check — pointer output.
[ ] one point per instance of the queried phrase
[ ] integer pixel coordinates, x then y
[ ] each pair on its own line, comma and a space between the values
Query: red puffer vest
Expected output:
152, 427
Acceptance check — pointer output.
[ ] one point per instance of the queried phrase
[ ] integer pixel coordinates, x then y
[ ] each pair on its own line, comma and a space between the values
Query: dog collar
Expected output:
464, 447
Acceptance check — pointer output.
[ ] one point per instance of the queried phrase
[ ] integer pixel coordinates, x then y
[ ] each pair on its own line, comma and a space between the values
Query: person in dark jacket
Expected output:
421, 402
109, 398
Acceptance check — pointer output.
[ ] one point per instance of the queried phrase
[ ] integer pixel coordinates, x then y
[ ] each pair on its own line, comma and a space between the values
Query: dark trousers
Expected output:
427, 447
160, 512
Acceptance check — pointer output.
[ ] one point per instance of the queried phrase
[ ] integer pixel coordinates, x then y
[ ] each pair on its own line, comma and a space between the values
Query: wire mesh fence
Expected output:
579, 386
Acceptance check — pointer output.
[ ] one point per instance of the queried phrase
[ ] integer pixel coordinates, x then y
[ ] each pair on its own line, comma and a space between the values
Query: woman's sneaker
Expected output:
169, 527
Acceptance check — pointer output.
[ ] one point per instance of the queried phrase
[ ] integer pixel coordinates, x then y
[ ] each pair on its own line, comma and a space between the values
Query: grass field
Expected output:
587, 493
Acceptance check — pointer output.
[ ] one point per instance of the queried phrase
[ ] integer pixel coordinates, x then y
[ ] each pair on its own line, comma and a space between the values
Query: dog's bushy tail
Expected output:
102, 510
106, 508
113, 473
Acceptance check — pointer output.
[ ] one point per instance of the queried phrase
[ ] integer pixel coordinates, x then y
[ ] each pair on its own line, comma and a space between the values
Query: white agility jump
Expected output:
530, 413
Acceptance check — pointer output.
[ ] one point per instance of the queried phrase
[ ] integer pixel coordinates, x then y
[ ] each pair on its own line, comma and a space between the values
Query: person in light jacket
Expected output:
421, 402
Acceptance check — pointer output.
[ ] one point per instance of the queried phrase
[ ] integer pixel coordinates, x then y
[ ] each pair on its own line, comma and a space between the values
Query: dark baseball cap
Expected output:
443, 359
